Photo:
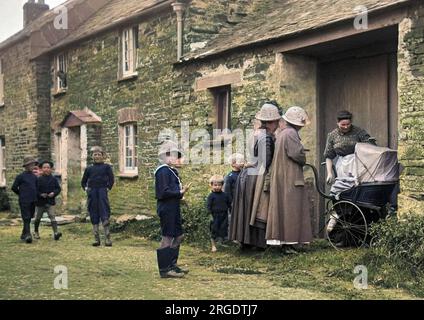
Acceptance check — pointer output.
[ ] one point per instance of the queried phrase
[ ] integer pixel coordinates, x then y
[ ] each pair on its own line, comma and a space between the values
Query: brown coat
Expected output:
288, 214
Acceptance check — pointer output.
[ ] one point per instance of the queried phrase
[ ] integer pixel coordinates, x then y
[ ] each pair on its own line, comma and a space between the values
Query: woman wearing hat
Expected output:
289, 221
248, 217
25, 186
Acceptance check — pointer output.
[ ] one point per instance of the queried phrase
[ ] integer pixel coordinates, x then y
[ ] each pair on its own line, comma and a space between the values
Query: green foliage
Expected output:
195, 224
396, 258
4, 200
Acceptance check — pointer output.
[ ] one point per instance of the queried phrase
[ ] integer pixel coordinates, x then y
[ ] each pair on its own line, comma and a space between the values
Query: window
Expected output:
128, 59
222, 99
1, 84
129, 149
2, 162
60, 73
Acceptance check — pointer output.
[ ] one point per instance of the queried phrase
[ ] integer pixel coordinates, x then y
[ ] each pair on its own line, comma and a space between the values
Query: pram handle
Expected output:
315, 171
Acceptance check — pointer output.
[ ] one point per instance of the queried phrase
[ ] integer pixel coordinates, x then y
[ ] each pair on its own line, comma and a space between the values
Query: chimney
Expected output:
32, 10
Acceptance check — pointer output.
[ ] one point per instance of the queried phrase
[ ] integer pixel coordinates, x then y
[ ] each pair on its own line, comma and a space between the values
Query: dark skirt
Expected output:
98, 205
240, 229
219, 225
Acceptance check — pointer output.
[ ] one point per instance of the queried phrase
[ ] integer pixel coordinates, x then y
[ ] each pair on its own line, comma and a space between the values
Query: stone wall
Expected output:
411, 110
25, 116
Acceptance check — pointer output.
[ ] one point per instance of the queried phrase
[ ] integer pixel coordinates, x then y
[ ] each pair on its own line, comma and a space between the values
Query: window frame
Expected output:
128, 53
222, 100
1, 83
60, 65
3, 181
129, 148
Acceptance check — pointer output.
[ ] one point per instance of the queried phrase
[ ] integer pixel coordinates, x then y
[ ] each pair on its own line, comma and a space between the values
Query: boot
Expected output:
96, 233
165, 256
36, 226
56, 233
213, 246
108, 242
175, 254
27, 231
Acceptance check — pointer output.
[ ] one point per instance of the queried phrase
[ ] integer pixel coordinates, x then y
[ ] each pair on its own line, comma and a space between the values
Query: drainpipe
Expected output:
179, 9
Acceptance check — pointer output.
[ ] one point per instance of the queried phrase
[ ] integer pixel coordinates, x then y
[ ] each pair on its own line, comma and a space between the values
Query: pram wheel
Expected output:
346, 225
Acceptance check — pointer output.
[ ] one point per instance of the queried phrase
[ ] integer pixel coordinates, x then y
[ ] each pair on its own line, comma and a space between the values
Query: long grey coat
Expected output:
288, 214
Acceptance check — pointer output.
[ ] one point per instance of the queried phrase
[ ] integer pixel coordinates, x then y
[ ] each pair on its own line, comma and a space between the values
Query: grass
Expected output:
128, 270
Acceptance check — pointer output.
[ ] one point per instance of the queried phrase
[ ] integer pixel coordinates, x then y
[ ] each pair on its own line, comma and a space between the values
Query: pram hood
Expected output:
376, 164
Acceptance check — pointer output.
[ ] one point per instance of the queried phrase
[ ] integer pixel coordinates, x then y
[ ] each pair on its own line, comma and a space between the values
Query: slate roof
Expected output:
274, 19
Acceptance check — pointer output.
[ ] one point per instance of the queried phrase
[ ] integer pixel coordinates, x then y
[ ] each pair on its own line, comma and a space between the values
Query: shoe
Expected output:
177, 269
172, 274
57, 235
28, 239
37, 236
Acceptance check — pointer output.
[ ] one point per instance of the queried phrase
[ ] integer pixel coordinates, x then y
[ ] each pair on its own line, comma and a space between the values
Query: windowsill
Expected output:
59, 92
128, 76
2, 104
127, 175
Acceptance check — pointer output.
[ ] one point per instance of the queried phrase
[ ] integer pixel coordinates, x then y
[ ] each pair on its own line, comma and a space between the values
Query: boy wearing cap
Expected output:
169, 192
218, 205
48, 190
97, 180
25, 186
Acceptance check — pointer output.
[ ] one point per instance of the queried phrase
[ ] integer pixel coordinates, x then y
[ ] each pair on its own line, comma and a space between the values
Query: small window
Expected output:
1, 84
222, 100
2, 162
129, 41
60, 73
129, 149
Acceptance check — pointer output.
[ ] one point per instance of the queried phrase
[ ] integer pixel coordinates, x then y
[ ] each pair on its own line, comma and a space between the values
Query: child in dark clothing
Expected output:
25, 186
97, 180
48, 190
218, 205
237, 163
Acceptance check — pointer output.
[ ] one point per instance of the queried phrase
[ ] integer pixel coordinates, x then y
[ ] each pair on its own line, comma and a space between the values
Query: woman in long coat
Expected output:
289, 220
240, 228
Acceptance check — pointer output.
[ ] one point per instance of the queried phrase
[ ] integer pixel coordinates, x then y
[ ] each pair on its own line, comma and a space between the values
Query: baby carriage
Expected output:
349, 213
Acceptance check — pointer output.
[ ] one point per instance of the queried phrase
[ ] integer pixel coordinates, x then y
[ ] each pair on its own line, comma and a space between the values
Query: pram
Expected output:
348, 217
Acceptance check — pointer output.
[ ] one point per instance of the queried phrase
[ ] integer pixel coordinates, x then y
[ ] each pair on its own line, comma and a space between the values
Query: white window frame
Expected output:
2, 162
61, 64
1, 84
128, 52
129, 148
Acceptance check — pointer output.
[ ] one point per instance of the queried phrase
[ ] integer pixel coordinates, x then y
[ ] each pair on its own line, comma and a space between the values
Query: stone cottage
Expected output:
123, 71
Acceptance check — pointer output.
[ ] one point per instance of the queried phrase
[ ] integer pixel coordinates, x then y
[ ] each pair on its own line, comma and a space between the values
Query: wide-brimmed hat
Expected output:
169, 147
29, 160
41, 163
268, 112
297, 116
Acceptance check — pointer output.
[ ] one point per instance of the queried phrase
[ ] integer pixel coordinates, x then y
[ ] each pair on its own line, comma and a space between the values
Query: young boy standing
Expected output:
25, 186
169, 192
97, 180
218, 204
48, 190
237, 163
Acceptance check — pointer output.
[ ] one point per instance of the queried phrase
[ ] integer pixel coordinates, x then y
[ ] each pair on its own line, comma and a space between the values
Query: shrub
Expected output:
195, 224
401, 241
